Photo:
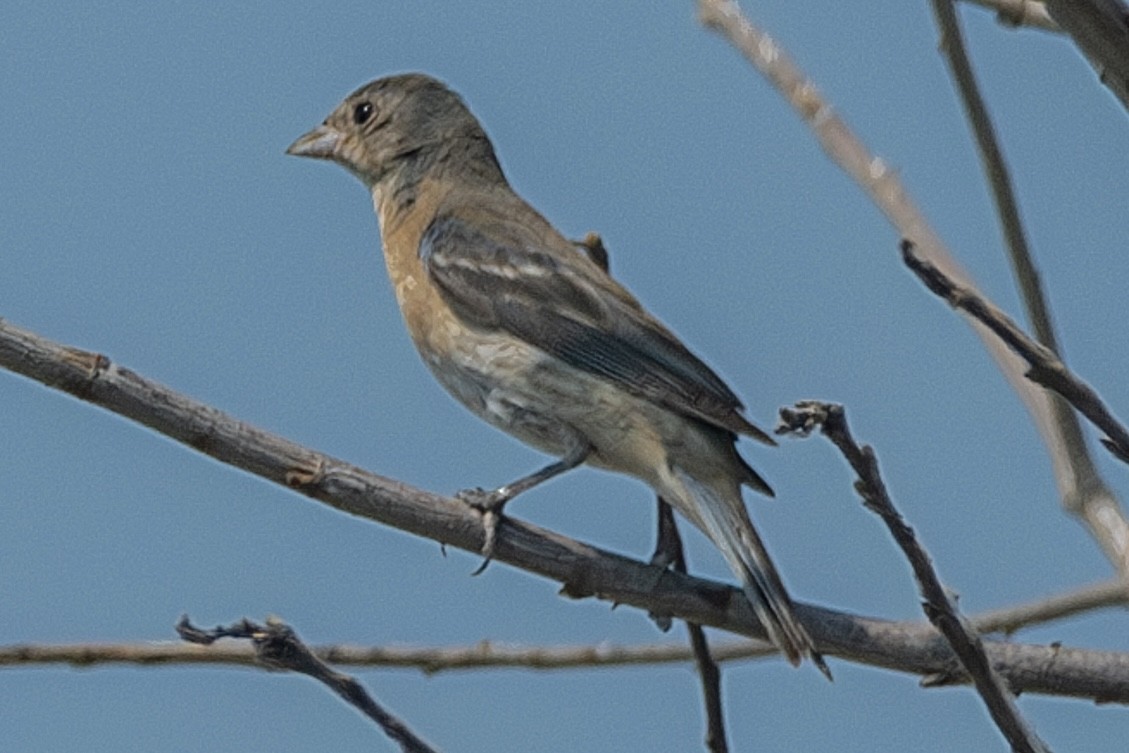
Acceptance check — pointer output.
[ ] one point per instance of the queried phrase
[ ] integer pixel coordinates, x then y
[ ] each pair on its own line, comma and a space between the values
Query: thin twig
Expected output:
998, 176
1077, 477
885, 189
427, 659
1008, 620
1047, 369
939, 608
488, 654
669, 551
276, 645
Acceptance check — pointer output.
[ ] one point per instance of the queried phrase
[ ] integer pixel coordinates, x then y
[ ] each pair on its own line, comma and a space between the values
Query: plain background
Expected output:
150, 214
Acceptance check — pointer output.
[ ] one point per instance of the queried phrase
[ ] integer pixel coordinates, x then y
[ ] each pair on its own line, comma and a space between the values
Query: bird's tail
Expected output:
727, 523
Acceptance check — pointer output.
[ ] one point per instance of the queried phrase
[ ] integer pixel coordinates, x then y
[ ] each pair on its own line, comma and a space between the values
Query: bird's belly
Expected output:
491, 376
549, 404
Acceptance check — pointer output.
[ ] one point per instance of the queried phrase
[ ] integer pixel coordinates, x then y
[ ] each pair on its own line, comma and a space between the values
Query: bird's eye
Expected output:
362, 112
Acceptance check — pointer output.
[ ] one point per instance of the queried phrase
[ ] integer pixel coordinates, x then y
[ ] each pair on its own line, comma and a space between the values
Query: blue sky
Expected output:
150, 214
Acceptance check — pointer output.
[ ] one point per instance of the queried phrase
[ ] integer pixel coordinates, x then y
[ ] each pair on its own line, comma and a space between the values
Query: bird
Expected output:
537, 338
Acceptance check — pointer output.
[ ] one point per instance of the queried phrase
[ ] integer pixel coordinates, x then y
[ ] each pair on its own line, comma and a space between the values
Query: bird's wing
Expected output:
498, 274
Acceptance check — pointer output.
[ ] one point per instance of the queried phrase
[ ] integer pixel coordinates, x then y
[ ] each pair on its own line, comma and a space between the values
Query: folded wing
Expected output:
559, 301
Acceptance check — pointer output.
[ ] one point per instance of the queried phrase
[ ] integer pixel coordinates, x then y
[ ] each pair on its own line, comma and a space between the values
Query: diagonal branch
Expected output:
583, 569
999, 177
1076, 472
1081, 488
885, 189
938, 606
1100, 512
1047, 369
277, 646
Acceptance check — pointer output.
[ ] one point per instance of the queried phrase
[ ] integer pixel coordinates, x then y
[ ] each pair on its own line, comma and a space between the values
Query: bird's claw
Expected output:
490, 504
664, 557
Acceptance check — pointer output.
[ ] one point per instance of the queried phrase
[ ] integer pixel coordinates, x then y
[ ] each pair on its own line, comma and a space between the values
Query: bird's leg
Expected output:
668, 552
490, 503
668, 544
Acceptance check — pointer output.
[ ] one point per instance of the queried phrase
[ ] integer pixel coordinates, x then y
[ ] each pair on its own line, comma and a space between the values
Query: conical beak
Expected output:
320, 143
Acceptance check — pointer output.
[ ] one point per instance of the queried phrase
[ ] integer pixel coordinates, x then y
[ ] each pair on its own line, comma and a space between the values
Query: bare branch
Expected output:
670, 552
583, 569
939, 608
1101, 514
1076, 474
276, 645
885, 189
1008, 620
427, 659
487, 654
999, 181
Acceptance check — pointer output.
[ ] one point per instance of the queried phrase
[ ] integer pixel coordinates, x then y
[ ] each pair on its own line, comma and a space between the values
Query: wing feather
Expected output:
558, 300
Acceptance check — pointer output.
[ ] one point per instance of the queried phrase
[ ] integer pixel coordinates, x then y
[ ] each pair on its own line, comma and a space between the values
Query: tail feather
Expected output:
754, 480
727, 524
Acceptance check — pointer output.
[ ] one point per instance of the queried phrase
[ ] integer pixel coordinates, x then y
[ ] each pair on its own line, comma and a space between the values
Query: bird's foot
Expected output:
667, 558
490, 504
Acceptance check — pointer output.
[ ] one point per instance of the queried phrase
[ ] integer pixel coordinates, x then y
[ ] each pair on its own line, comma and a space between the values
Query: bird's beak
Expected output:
320, 143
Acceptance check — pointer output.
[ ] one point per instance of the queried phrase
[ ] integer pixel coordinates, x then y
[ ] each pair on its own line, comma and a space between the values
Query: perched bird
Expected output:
534, 336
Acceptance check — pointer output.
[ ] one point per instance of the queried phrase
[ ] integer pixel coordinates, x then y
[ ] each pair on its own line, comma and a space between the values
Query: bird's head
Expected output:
401, 124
